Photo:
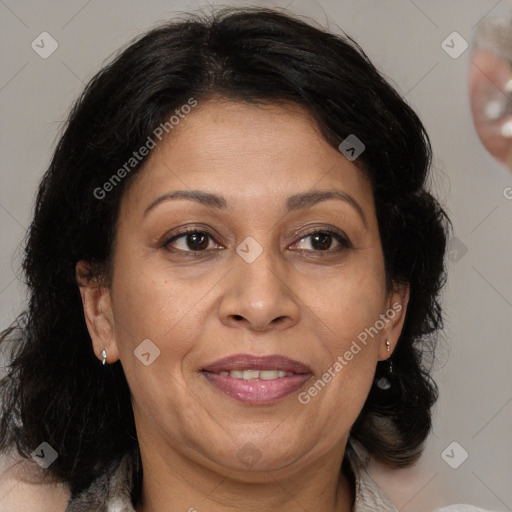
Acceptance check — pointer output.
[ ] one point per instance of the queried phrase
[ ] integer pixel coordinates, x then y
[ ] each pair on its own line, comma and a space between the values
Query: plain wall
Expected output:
403, 38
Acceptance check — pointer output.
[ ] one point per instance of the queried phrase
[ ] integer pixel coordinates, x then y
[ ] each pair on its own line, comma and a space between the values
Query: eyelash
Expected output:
338, 236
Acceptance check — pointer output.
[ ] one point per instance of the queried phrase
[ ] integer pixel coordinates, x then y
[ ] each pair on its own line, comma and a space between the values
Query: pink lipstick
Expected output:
257, 379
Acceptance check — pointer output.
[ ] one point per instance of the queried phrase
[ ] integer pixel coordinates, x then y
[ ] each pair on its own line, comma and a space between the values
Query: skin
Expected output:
294, 300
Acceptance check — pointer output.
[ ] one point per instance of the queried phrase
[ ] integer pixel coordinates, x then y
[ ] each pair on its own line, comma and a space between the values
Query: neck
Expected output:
175, 483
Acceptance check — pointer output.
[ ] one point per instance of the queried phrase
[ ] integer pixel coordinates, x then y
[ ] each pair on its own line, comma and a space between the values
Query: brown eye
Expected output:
323, 240
192, 240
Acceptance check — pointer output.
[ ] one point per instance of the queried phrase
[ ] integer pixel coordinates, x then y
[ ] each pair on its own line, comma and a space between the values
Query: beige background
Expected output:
403, 38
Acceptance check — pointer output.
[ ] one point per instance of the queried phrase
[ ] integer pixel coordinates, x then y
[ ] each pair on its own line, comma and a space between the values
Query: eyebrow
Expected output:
296, 202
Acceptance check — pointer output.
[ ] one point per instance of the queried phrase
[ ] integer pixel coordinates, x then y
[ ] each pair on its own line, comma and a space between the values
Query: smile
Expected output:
257, 379
257, 374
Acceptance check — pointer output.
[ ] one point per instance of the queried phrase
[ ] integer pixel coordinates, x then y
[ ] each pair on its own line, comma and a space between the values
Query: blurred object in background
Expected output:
490, 86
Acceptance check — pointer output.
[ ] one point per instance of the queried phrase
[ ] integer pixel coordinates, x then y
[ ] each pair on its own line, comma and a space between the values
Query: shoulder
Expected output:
19, 492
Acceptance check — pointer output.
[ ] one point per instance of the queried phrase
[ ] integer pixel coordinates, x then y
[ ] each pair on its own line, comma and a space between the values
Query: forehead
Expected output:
246, 152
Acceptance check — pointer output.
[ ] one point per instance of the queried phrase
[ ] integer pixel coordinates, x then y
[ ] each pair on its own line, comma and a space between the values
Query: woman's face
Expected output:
251, 282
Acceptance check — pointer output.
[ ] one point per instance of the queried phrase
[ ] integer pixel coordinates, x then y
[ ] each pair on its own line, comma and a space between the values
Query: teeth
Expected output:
257, 374
250, 374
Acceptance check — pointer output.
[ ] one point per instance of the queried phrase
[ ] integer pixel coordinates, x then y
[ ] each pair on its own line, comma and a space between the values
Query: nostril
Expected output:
238, 317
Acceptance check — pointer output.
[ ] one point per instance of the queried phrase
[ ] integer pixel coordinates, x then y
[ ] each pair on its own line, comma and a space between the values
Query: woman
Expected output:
234, 270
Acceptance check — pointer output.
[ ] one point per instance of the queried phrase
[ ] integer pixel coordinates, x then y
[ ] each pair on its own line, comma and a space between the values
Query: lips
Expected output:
257, 380
240, 362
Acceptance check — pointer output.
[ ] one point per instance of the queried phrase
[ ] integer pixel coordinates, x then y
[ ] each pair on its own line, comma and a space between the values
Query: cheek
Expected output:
148, 299
352, 304
349, 326
150, 304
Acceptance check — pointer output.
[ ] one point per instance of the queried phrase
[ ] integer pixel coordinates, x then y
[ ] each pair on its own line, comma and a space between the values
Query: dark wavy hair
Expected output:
55, 389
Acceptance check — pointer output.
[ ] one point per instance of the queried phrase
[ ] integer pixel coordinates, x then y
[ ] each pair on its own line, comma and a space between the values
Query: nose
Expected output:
259, 295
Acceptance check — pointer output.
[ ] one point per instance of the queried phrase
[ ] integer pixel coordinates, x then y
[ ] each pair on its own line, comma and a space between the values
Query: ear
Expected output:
98, 313
393, 318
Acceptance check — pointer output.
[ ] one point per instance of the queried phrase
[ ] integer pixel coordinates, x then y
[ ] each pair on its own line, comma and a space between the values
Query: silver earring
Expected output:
390, 366
384, 383
390, 363
104, 355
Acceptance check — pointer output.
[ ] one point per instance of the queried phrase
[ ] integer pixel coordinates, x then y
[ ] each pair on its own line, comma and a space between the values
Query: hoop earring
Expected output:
104, 355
